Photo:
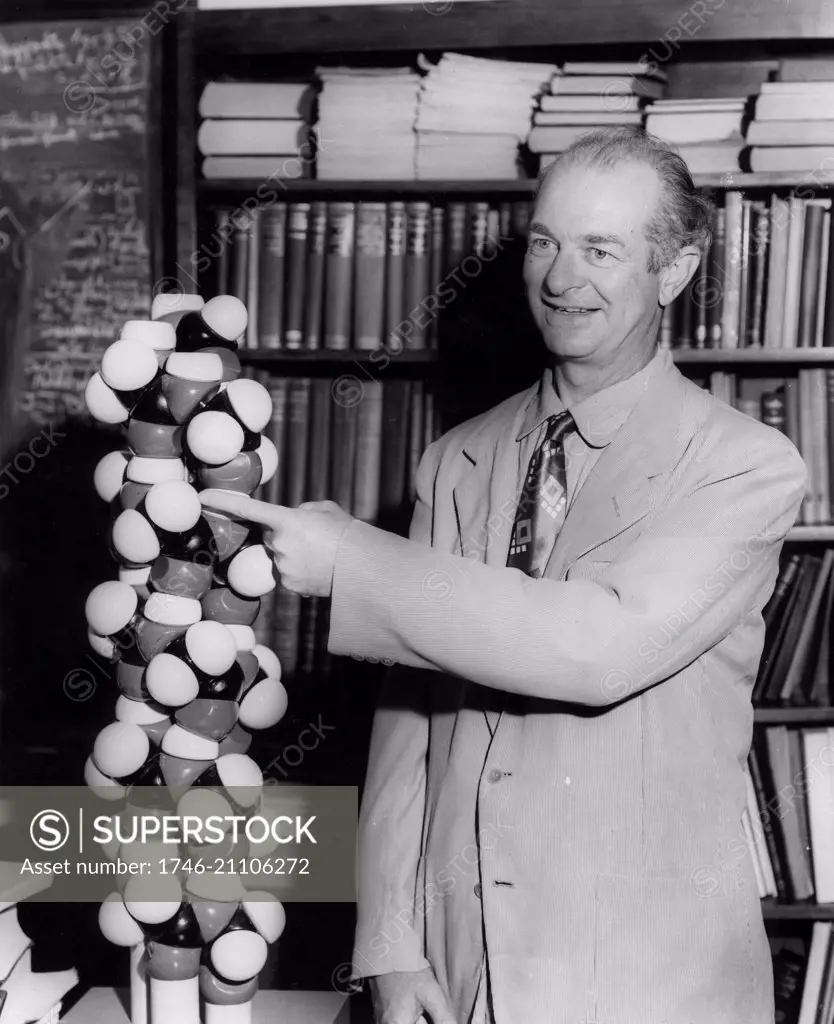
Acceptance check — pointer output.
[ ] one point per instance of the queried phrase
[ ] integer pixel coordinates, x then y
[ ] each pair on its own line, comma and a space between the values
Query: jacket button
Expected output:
495, 775
477, 889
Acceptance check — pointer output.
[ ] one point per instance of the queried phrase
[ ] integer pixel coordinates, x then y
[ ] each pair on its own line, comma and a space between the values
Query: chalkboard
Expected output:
75, 211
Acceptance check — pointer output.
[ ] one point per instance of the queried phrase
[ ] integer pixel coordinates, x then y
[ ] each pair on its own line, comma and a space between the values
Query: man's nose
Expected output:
564, 272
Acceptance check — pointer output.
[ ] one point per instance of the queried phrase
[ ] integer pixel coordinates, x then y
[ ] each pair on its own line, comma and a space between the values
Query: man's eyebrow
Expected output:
537, 228
604, 240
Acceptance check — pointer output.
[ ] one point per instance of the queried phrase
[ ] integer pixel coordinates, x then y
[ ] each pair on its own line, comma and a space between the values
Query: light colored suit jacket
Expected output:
595, 824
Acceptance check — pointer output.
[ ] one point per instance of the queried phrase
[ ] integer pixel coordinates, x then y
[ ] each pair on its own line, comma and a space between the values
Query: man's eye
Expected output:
599, 254
539, 244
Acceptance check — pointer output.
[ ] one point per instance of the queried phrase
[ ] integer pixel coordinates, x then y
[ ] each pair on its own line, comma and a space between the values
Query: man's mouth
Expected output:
572, 310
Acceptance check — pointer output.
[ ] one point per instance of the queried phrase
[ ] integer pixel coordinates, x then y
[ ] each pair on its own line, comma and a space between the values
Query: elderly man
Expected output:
553, 809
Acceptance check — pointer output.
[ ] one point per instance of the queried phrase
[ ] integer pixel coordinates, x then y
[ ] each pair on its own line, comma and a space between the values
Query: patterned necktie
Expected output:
543, 502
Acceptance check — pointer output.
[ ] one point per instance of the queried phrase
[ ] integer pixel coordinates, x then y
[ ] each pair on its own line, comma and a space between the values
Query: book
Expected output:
298, 218
588, 118
608, 85
271, 272
395, 276
818, 956
776, 272
251, 137
595, 103
369, 299
640, 68
268, 100
790, 133
705, 126
273, 167
339, 275
809, 284
417, 274
819, 776
733, 208
793, 274
251, 339
366, 476
314, 294
792, 158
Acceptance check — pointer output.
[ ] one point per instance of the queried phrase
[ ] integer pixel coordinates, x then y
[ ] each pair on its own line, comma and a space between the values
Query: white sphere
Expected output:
226, 316
167, 303
250, 572
139, 712
153, 898
202, 804
158, 337
211, 647
179, 742
173, 505
121, 748
268, 454
251, 403
238, 956
110, 606
109, 475
267, 914
136, 577
102, 785
214, 437
198, 366
103, 402
116, 924
144, 470
239, 770
102, 645
263, 705
134, 537
244, 636
268, 660
170, 681
172, 610
127, 366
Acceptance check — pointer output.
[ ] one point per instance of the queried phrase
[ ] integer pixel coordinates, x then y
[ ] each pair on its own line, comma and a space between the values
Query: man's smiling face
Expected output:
586, 269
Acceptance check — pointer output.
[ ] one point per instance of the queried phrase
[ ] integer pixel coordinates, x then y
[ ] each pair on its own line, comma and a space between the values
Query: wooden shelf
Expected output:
519, 186
815, 534
326, 355
794, 716
520, 23
797, 911
753, 356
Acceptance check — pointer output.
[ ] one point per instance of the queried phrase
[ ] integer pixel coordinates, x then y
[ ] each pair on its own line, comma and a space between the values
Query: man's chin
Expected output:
574, 341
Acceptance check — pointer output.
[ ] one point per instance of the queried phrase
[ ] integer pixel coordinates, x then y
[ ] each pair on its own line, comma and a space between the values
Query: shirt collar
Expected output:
600, 416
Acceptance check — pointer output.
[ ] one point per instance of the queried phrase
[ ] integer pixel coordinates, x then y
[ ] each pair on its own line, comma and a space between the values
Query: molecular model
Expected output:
178, 625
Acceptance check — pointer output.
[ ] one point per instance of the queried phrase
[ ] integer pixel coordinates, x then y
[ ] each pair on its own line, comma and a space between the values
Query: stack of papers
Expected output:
366, 123
473, 114
706, 132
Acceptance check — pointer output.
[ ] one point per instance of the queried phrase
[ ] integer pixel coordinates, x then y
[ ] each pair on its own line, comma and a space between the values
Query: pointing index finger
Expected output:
243, 507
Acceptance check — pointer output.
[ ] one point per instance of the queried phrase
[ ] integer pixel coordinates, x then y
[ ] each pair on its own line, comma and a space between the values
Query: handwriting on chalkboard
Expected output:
73, 202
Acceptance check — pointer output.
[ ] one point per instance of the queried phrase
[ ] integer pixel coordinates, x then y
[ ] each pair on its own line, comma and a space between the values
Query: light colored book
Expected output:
802, 159
794, 106
711, 126
791, 133
622, 103
249, 136
278, 166
589, 118
817, 958
611, 85
257, 100
819, 778
614, 67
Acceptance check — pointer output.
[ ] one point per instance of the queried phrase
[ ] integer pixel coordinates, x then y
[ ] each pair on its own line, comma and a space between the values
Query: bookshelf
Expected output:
534, 29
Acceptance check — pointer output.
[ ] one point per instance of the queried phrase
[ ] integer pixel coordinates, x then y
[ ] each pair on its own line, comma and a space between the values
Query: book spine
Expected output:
415, 437
744, 272
713, 298
317, 236
809, 276
478, 226
777, 258
318, 465
271, 275
396, 398
253, 282
239, 262
276, 432
822, 280
417, 271
338, 275
760, 245
456, 240
700, 291
343, 454
298, 419
369, 300
298, 216
796, 235
438, 232
395, 276
368, 453
222, 263
732, 271
829, 439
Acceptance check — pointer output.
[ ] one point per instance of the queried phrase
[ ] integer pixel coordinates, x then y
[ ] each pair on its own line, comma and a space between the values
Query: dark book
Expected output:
239, 260
787, 628
395, 277
819, 689
271, 276
455, 235
222, 264
338, 278
803, 648
369, 276
298, 221
417, 274
809, 280
775, 845
396, 398
438, 239
314, 293
714, 296
788, 978
760, 234
343, 450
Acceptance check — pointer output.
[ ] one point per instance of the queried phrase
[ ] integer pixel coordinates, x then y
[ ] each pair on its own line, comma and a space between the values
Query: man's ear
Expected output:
675, 277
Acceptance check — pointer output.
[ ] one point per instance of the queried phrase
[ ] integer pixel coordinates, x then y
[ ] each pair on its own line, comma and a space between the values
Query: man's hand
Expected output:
403, 997
303, 540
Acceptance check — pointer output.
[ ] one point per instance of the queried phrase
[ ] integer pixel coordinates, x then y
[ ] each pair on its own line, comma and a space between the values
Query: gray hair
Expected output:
684, 216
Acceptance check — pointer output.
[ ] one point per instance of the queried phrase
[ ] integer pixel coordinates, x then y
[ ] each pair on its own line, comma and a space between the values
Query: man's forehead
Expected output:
598, 200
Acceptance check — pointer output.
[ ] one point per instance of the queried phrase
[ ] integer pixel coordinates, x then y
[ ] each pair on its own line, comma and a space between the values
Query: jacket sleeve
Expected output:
708, 559
389, 933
